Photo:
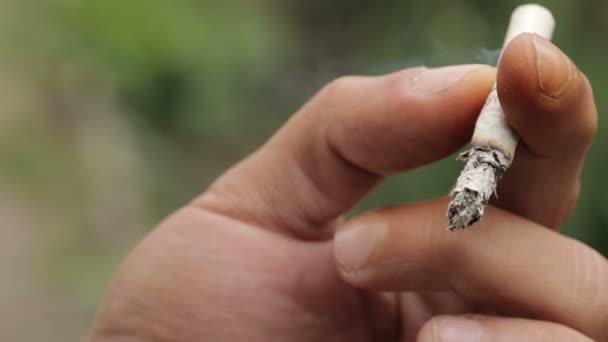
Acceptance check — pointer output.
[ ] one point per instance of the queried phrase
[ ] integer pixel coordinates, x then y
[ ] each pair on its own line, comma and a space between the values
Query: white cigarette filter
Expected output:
492, 129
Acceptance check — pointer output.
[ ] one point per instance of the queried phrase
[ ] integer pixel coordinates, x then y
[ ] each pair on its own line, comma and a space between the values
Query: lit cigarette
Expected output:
494, 142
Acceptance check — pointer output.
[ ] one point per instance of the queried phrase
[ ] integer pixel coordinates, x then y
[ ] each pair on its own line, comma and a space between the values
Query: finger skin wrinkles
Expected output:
592, 268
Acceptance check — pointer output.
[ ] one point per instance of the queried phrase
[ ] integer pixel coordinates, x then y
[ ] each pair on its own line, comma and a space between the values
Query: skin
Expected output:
265, 254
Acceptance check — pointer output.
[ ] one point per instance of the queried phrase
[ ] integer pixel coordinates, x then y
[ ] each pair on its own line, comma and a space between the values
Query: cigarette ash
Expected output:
483, 169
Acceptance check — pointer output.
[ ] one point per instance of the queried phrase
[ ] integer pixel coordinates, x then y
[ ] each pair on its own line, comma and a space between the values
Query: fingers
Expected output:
506, 264
340, 144
550, 104
474, 328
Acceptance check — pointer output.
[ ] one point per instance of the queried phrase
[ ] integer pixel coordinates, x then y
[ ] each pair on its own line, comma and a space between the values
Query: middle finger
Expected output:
507, 264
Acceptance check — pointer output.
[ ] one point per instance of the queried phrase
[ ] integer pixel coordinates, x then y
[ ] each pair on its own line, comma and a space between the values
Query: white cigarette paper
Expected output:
492, 129
493, 142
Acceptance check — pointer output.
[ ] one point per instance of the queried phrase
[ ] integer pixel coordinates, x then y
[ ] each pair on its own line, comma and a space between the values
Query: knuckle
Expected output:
584, 109
586, 83
405, 100
590, 129
589, 118
341, 86
402, 97
568, 205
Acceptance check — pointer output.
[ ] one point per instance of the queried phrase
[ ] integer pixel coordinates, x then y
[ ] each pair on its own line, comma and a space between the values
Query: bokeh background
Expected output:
113, 113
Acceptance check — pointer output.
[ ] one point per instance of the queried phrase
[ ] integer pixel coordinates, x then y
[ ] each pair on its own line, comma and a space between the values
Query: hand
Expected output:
252, 258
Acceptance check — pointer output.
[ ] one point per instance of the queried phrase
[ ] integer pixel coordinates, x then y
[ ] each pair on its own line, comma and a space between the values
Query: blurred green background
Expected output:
113, 113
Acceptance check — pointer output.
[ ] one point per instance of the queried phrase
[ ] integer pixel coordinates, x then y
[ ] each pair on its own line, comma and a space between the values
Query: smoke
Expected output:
490, 57
480, 55
437, 59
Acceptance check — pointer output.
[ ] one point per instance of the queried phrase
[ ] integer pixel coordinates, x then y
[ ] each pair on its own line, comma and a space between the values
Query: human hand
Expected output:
253, 258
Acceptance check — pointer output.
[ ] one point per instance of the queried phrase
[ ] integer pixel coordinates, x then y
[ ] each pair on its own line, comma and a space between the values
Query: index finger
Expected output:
343, 142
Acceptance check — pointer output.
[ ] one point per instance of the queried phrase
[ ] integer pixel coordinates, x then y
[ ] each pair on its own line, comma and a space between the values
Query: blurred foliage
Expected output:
114, 113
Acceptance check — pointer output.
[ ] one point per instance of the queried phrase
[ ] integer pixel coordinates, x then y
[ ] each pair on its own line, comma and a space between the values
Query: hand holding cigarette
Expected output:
251, 259
494, 142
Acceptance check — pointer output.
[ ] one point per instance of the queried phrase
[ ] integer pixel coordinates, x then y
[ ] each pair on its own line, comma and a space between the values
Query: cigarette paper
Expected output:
493, 142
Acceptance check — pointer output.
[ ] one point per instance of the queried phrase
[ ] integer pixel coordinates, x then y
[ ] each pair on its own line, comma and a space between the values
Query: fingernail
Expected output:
355, 243
553, 67
432, 81
457, 329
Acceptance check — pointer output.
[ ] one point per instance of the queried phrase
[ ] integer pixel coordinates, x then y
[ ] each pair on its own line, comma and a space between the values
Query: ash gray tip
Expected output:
483, 169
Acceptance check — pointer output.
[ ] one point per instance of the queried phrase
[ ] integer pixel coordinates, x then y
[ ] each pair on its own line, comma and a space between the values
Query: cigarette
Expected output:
494, 142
